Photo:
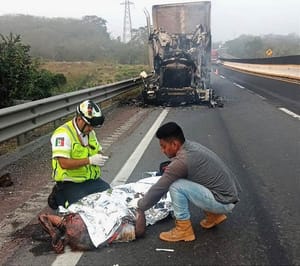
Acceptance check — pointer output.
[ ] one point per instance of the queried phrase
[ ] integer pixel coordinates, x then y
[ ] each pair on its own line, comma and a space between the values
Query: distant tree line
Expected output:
248, 46
66, 39
88, 39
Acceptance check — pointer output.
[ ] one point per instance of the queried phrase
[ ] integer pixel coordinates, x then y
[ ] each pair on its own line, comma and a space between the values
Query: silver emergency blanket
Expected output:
104, 212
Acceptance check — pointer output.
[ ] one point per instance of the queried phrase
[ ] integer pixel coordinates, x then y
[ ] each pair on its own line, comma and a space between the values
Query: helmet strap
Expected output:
82, 129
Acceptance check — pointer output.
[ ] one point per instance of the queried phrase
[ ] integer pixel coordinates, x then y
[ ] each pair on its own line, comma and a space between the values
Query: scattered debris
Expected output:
5, 180
165, 249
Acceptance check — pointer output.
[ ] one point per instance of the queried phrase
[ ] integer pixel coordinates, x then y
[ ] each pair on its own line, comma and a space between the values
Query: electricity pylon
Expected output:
127, 28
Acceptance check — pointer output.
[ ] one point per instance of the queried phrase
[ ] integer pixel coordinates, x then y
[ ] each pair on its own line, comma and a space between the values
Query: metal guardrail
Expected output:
286, 67
281, 60
289, 72
17, 120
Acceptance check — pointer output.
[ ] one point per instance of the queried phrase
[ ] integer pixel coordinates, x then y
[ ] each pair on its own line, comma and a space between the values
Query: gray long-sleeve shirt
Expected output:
196, 163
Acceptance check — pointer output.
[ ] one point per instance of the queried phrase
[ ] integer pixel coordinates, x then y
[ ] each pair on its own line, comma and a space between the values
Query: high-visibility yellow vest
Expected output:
78, 151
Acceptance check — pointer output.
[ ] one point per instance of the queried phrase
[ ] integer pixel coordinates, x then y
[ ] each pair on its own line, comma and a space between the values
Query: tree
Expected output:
20, 77
43, 81
99, 22
254, 48
138, 46
15, 69
140, 36
68, 39
247, 46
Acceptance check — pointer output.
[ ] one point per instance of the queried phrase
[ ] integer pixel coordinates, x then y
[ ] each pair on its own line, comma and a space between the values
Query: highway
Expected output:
257, 133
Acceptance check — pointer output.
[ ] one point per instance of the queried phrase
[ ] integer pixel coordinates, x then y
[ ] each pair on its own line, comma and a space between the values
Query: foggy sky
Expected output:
229, 18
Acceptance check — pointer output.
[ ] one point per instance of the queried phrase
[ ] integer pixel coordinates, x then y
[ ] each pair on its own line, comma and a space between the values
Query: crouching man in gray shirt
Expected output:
195, 174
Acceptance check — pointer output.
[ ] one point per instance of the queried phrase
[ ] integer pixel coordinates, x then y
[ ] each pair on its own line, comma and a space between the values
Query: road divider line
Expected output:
287, 111
132, 161
262, 97
238, 85
70, 258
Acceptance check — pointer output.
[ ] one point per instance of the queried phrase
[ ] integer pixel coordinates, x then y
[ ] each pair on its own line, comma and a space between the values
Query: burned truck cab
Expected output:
179, 54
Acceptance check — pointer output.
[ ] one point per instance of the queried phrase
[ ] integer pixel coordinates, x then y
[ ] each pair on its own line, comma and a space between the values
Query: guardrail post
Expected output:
57, 123
21, 139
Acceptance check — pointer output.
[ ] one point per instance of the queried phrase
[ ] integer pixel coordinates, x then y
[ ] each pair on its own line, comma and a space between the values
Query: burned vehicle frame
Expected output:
179, 55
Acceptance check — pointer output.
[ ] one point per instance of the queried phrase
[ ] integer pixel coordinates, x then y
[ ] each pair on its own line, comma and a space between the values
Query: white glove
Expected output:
98, 159
133, 203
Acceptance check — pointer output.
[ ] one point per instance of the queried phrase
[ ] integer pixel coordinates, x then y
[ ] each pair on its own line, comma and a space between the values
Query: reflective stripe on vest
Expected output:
78, 151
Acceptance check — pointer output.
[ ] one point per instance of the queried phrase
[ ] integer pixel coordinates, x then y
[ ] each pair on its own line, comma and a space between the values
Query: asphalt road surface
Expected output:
260, 141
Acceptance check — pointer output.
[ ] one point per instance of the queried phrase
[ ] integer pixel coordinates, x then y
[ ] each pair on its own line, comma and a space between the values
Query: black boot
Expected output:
51, 199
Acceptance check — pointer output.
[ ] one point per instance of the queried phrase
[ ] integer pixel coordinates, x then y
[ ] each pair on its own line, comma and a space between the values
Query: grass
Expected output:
90, 74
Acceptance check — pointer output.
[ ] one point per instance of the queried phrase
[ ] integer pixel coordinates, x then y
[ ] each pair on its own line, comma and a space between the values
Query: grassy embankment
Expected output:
90, 74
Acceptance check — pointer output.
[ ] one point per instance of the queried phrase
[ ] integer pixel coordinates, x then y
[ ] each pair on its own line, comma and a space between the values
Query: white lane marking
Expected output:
289, 112
250, 91
221, 76
262, 97
111, 138
70, 258
103, 142
116, 134
132, 161
238, 85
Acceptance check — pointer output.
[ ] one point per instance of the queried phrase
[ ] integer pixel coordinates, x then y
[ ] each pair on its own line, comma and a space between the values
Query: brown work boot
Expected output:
182, 231
212, 219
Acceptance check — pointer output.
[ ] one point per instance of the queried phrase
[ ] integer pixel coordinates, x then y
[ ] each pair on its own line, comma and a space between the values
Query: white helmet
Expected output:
90, 113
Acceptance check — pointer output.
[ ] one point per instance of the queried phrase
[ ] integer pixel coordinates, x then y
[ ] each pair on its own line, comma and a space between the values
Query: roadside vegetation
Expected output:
249, 46
90, 74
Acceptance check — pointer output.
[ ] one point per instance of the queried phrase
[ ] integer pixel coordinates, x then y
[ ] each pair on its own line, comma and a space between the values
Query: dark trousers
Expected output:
67, 193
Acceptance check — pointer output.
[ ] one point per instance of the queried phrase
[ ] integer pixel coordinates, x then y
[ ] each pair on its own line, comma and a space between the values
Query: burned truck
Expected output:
179, 54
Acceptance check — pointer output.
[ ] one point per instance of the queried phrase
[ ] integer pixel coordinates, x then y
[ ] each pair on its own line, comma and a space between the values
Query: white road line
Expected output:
125, 127
103, 142
238, 85
116, 134
221, 76
289, 112
250, 91
111, 138
132, 161
262, 97
70, 258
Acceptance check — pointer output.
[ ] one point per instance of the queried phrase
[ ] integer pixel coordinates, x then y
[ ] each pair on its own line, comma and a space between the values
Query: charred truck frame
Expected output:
179, 54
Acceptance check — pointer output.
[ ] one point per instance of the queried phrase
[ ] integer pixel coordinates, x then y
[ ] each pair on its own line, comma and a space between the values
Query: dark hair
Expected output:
170, 131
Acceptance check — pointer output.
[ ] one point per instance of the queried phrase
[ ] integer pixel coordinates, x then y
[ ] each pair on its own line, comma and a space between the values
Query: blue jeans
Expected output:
184, 191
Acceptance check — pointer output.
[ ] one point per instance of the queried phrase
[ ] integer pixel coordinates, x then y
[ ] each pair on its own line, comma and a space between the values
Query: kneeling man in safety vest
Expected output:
76, 157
